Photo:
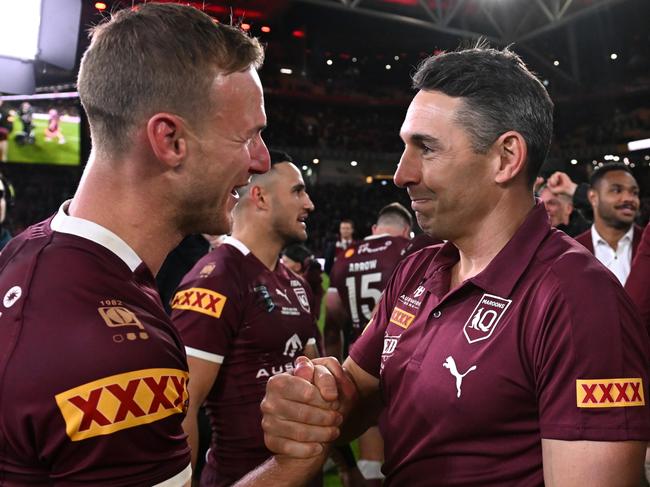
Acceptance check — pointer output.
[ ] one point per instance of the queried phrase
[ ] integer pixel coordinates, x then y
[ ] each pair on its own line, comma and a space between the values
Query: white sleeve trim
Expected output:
332, 290
210, 357
178, 480
311, 341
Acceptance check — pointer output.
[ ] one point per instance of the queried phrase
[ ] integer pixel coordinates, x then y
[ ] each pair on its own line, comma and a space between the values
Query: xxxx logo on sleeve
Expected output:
401, 318
609, 393
201, 300
122, 401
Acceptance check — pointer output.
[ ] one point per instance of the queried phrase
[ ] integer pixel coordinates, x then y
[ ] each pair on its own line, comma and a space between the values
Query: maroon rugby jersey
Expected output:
92, 372
232, 310
543, 343
360, 275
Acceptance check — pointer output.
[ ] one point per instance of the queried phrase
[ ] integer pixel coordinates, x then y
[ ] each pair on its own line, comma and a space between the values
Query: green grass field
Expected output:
46, 152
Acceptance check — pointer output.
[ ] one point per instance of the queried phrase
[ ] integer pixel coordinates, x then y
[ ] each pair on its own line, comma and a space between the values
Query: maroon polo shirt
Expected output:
232, 310
360, 275
92, 373
543, 343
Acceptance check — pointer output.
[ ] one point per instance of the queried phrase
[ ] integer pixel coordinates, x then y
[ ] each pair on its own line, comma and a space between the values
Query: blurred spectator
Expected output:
563, 216
6, 201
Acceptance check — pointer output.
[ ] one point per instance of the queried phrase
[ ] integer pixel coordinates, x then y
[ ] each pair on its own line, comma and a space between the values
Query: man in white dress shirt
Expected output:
613, 237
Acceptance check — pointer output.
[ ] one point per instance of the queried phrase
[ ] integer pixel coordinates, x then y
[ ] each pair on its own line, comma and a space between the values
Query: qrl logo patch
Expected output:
609, 393
122, 401
302, 298
201, 300
401, 318
485, 317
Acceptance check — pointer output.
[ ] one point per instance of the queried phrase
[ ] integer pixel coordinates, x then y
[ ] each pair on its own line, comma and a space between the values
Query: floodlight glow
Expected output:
556, 63
574, 161
638, 144
304, 168
354, 60
286, 70
19, 26
330, 62
353, 163
388, 66
315, 161
613, 56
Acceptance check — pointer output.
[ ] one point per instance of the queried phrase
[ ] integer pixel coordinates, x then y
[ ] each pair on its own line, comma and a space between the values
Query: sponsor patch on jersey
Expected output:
401, 318
201, 300
486, 316
119, 316
207, 269
122, 401
609, 393
349, 253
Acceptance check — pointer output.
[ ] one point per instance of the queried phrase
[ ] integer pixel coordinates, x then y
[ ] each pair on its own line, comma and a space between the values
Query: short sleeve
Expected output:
591, 362
207, 311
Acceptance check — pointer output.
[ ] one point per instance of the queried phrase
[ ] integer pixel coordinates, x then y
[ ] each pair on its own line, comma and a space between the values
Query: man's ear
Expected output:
592, 195
167, 136
258, 196
512, 152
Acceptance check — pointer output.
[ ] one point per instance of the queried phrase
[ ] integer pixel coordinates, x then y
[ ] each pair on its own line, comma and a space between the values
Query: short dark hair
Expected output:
600, 172
347, 220
298, 252
153, 58
277, 156
499, 94
388, 213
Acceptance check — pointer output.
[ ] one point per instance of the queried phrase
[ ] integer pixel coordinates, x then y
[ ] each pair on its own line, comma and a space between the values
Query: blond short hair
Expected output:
156, 58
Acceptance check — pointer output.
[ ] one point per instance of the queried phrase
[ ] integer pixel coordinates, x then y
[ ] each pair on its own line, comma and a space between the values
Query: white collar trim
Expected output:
373, 237
237, 244
64, 223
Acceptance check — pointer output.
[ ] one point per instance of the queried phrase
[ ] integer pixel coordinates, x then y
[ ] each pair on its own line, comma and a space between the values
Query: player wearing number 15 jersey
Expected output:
357, 281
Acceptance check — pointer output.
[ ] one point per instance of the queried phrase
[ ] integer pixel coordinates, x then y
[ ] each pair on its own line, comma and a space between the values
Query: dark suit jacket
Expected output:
585, 239
638, 283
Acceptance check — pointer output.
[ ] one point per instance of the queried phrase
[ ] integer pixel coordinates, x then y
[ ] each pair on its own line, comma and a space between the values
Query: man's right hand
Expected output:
303, 411
560, 182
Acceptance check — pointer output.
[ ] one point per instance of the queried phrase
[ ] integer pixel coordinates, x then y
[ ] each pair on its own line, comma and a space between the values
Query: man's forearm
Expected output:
191, 428
281, 471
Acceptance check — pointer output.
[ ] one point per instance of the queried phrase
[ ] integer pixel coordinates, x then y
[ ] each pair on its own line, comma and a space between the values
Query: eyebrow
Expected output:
298, 187
426, 139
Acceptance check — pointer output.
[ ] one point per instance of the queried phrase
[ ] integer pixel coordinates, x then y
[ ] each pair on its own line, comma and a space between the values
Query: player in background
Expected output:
53, 130
244, 316
357, 281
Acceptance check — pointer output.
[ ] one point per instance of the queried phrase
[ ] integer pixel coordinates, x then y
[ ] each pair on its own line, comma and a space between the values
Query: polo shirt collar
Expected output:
64, 223
505, 269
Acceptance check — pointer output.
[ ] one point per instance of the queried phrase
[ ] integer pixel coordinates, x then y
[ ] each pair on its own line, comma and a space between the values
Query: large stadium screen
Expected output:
42, 128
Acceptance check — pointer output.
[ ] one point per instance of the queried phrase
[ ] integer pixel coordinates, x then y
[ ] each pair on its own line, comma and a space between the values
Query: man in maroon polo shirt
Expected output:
93, 376
244, 317
357, 280
506, 356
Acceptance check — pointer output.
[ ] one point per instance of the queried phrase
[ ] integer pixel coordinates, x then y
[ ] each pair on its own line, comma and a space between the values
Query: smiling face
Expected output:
615, 199
290, 204
448, 182
225, 151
